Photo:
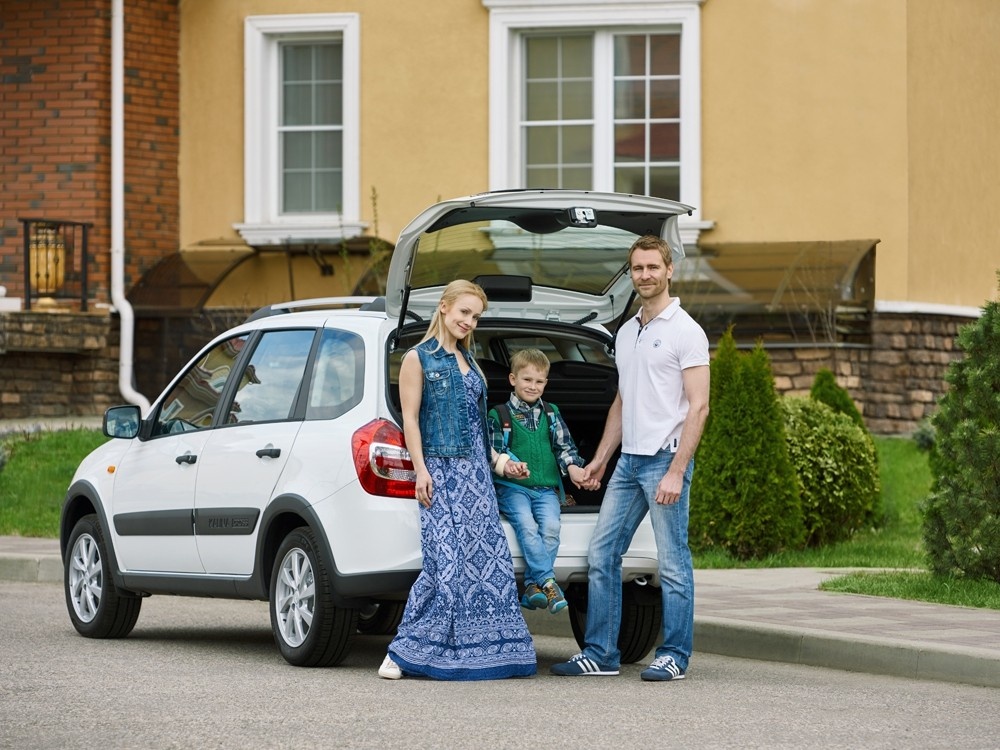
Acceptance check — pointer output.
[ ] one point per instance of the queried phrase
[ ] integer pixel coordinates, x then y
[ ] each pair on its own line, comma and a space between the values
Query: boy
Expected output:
528, 430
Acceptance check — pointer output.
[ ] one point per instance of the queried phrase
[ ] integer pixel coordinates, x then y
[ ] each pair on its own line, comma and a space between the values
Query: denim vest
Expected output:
444, 427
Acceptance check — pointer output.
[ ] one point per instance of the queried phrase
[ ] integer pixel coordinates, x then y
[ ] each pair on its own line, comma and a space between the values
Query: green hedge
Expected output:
836, 466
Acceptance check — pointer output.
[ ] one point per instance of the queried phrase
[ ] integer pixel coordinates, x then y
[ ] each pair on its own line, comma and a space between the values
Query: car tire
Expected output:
309, 629
380, 618
642, 619
96, 607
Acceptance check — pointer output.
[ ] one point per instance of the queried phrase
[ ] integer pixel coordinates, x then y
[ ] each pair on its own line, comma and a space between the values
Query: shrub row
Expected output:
777, 473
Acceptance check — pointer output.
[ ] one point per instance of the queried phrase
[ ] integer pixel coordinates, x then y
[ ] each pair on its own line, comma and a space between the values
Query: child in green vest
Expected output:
531, 431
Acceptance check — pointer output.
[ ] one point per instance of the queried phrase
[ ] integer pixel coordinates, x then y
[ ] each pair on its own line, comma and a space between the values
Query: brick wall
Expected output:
55, 72
54, 365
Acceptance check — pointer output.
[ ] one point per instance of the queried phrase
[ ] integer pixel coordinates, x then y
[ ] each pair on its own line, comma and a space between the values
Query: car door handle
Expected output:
187, 458
269, 453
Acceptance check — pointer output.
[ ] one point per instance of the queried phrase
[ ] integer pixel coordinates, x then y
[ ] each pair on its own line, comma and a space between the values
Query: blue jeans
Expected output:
631, 493
533, 513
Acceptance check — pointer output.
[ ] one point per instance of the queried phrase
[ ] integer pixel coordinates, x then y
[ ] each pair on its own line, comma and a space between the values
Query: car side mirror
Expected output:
122, 421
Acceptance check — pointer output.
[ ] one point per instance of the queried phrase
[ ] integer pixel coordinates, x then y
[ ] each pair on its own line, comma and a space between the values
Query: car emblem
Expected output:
582, 217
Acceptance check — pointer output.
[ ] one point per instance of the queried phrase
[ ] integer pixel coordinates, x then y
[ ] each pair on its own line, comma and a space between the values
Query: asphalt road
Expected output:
201, 673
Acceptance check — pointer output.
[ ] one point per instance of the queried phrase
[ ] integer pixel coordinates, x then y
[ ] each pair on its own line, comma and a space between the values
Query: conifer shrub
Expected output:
716, 462
962, 514
836, 466
744, 496
825, 389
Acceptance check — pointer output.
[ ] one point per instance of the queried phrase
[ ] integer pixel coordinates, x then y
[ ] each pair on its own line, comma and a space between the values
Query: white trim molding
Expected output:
902, 307
263, 222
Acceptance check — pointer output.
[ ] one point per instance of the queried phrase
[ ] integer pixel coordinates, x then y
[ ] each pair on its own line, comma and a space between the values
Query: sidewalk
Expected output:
767, 614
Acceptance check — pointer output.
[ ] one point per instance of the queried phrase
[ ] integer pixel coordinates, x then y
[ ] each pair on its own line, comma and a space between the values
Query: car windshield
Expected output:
579, 259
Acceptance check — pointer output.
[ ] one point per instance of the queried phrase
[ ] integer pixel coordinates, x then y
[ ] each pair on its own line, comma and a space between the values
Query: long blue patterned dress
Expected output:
462, 619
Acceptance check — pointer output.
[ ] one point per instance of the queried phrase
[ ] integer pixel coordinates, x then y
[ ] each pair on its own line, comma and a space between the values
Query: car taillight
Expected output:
382, 461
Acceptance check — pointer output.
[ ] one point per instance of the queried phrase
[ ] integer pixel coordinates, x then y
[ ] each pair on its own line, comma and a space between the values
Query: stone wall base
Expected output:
59, 364
66, 364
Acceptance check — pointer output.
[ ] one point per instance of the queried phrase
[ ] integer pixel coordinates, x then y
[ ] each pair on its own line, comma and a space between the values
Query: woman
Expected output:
462, 619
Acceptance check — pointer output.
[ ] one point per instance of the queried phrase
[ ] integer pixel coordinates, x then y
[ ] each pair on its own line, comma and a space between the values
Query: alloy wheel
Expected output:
86, 578
295, 597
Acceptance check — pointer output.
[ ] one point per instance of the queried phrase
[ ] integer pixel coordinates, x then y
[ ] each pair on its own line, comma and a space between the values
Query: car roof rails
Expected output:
281, 308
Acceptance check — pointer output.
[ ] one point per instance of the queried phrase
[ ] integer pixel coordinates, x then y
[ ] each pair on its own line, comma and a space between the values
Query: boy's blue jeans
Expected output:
533, 513
630, 495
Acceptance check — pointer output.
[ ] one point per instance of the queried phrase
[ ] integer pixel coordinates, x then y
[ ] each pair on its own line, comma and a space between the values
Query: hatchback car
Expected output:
273, 467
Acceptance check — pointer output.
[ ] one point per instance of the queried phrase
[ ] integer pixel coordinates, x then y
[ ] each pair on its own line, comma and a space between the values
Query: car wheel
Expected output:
642, 619
380, 618
309, 630
96, 607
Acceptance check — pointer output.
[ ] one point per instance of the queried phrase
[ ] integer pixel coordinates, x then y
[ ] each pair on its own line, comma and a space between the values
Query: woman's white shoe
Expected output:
389, 670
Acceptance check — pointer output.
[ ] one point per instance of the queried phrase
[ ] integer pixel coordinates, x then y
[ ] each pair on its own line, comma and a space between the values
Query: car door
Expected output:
155, 481
244, 458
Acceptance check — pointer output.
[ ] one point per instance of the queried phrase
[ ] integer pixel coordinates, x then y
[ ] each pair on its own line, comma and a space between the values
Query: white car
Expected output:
273, 467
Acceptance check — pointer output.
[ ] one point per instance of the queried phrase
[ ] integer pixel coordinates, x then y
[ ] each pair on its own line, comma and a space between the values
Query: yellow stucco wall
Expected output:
423, 107
821, 120
954, 150
804, 125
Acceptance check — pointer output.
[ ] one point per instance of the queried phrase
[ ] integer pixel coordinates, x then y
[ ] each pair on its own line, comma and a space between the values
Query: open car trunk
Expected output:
582, 379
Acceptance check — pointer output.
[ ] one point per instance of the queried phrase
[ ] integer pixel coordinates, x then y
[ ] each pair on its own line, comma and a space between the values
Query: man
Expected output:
657, 418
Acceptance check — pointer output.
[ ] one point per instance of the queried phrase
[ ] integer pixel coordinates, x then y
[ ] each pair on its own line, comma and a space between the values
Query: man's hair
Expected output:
533, 357
652, 242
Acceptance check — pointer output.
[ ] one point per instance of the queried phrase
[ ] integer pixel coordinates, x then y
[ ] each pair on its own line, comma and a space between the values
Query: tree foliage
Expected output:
744, 495
826, 390
962, 515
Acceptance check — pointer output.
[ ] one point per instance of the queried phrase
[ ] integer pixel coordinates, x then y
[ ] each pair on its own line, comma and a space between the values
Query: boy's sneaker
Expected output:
556, 602
390, 670
533, 597
582, 666
663, 669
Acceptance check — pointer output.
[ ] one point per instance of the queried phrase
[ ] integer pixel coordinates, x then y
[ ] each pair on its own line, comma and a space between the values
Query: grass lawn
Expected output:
35, 472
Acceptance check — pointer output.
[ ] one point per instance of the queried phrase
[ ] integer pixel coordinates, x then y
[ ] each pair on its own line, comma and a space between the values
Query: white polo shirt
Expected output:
650, 362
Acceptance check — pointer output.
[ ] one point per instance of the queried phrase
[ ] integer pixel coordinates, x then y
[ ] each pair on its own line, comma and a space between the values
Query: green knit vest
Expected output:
535, 449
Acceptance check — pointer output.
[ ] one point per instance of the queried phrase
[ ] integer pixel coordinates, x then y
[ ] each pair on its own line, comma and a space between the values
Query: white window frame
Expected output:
263, 222
510, 19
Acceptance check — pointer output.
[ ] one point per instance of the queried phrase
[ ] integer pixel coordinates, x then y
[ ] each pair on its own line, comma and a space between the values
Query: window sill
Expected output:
258, 235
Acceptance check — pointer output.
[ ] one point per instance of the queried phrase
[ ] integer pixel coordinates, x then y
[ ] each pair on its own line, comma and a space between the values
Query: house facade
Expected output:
838, 155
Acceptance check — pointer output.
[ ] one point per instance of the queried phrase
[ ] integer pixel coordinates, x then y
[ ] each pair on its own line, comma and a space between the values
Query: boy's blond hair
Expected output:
529, 357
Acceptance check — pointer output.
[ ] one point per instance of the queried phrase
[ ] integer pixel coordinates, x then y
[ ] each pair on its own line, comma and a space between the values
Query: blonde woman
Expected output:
462, 619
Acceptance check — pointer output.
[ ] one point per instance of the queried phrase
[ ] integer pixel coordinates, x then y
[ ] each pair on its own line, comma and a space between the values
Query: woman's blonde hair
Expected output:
452, 292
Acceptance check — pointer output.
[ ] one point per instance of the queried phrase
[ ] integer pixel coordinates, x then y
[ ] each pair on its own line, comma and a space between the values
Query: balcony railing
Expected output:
56, 259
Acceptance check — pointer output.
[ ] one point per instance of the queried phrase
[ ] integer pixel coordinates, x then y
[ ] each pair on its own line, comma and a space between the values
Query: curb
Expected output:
884, 656
22, 568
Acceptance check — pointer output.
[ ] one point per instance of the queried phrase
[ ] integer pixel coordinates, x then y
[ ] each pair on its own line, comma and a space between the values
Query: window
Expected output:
338, 377
598, 95
301, 129
311, 128
191, 403
270, 383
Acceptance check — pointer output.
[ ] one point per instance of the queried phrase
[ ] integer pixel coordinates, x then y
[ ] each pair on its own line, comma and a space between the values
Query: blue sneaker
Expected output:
556, 602
534, 597
663, 669
582, 666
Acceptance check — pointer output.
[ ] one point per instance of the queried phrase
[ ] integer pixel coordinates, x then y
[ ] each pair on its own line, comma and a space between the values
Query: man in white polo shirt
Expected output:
657, 418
